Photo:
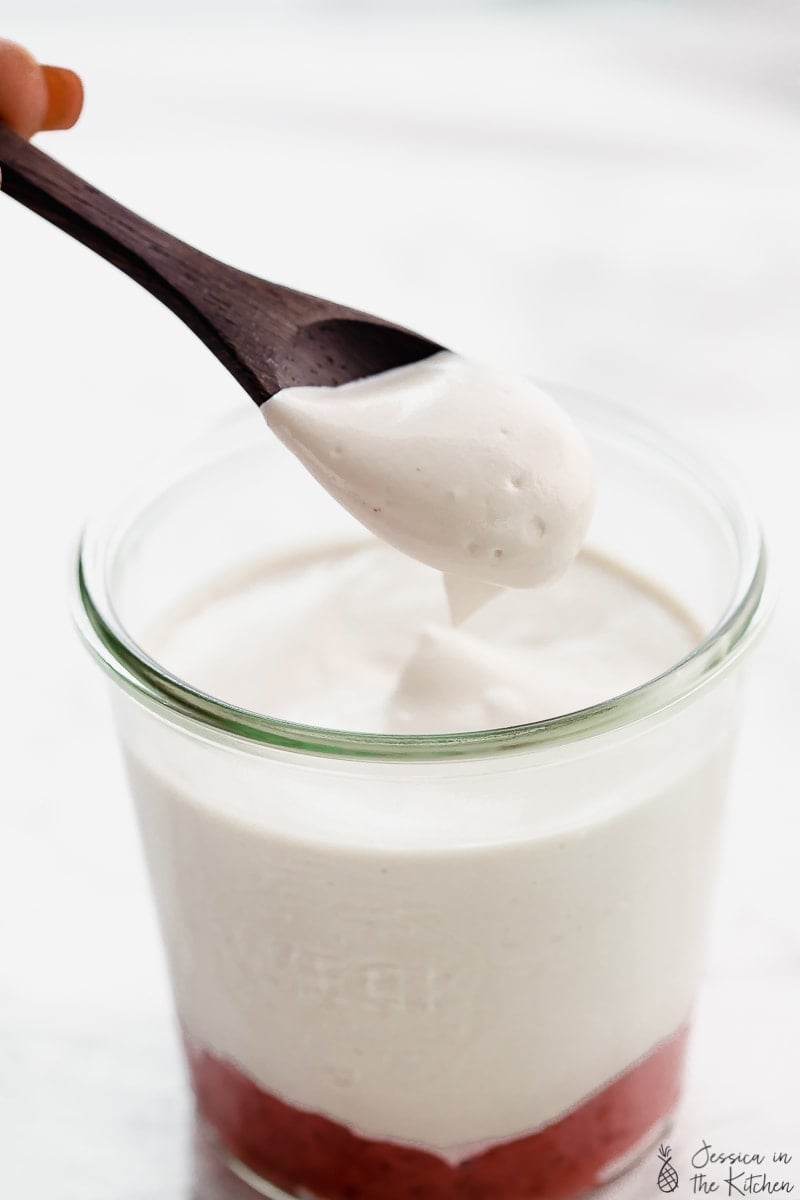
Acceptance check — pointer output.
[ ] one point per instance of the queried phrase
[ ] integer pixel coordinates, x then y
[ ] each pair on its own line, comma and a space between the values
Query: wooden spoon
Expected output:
269, 337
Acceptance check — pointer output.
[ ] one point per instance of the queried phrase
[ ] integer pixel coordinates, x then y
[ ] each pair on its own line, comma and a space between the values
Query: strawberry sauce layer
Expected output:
304, 1152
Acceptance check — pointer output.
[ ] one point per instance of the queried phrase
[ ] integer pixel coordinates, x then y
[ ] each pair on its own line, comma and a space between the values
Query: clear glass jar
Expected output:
388, 987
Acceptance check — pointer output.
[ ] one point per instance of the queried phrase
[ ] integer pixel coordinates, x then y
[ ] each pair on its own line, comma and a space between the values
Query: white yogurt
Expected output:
430, 953
360, 639
468, 469
446, 954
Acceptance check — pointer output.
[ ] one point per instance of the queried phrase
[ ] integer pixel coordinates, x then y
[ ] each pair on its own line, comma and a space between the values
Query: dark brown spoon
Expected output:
269, 337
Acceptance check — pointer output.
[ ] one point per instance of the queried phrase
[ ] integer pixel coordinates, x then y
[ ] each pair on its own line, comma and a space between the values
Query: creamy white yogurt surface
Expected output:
466, 468
360, 638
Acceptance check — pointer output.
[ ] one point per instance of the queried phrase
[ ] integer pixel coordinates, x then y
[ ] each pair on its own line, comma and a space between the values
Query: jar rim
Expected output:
131, 668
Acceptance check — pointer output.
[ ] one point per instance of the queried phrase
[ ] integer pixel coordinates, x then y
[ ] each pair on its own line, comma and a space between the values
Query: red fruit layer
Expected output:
304, 1152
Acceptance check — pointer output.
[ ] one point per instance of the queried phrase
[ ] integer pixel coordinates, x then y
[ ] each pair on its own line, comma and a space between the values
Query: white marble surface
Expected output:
601, 193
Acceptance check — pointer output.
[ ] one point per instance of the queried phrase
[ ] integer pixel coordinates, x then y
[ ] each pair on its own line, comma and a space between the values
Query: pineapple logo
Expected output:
667, 1176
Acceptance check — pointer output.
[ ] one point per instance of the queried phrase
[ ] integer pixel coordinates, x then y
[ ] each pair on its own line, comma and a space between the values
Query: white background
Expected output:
603, 194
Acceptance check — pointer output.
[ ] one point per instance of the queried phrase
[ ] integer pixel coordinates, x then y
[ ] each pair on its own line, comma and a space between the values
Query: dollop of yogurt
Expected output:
468, 469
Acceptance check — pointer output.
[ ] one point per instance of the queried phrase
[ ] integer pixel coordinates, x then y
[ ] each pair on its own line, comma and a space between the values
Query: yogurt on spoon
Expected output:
470, 470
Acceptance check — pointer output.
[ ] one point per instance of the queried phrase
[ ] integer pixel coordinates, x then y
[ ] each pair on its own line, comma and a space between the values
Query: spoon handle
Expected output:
197, 288
269, 337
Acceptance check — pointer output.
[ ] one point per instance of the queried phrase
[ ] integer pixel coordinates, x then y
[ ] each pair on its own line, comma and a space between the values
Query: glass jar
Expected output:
429, 966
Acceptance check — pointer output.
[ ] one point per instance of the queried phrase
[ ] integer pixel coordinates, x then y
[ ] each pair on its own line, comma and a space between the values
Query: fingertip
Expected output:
64, 98
23, 94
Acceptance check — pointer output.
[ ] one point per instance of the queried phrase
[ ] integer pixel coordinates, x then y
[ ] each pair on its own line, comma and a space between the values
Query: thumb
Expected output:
34, 97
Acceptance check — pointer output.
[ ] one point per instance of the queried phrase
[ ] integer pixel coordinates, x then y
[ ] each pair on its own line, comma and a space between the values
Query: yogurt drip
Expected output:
358, 638
470, 470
